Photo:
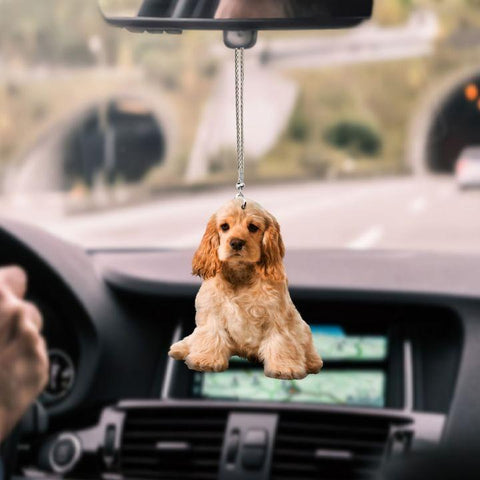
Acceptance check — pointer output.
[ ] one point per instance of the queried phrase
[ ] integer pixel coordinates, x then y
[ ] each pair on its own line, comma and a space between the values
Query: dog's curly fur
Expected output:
243, 306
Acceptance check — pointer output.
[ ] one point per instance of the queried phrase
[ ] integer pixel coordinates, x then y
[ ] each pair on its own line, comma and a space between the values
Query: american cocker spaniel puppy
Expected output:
243, 306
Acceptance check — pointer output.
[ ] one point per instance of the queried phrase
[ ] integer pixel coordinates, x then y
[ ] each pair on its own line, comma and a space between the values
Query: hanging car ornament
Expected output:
243, 306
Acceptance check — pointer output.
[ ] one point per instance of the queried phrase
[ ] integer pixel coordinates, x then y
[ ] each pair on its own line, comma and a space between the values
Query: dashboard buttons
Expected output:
254, 449
232, 447
247, 446
109, 444
61, 453
61, 376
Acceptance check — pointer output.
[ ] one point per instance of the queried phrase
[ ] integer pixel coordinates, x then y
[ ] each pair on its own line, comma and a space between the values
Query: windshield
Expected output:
114, 139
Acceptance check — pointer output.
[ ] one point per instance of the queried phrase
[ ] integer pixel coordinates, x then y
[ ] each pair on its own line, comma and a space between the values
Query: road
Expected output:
269, 99
401, 213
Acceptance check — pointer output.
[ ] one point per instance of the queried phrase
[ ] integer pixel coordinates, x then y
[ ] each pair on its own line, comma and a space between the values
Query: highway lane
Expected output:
401, 213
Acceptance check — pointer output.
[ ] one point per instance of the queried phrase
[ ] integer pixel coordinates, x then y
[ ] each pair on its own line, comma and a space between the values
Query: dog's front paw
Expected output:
206, 363
314, 365
285, 372
179, 350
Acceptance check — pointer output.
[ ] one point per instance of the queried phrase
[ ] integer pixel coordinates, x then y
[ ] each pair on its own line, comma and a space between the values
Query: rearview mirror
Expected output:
173, 16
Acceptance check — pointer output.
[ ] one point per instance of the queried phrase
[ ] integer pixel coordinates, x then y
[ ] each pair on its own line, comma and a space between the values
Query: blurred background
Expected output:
364, 138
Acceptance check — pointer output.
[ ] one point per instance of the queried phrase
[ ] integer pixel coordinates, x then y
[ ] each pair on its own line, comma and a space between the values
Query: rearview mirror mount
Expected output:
239, 38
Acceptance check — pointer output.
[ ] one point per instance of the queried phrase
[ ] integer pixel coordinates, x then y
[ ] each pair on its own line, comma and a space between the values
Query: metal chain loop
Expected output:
239, 81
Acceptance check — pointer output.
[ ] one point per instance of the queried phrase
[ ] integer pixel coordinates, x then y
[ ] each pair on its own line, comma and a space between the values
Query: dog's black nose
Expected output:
237, 244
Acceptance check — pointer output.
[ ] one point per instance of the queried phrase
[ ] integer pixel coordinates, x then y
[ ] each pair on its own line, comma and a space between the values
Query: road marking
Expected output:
418, 205
367, 239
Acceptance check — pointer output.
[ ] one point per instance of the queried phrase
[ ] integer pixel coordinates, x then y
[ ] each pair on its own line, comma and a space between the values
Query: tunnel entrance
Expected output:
120, 139
456, 125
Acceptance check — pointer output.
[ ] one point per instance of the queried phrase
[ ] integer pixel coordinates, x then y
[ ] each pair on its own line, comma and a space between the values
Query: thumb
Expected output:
14, 279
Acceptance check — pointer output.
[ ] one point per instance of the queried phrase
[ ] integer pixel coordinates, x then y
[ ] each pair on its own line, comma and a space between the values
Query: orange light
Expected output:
460, 165
471, 92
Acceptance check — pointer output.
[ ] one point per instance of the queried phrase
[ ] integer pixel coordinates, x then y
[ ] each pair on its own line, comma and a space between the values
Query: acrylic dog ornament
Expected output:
243, 306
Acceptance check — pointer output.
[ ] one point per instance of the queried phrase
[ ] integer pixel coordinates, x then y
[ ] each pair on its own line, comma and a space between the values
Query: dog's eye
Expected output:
224, 226
252, 228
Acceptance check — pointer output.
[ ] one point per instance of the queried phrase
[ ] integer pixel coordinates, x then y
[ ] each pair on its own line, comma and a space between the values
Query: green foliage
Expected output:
357, 138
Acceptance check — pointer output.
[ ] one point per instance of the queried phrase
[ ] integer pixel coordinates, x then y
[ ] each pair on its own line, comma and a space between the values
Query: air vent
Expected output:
329, 446
172, 443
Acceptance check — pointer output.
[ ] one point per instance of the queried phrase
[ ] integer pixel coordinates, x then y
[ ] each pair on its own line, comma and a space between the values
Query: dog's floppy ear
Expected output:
205, 262
273, 251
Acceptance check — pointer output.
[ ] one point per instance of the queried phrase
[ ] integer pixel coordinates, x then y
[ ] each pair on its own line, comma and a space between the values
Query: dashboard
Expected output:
398, 332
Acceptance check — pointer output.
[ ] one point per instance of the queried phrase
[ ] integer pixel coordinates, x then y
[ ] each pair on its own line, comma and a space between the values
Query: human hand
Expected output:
23, 352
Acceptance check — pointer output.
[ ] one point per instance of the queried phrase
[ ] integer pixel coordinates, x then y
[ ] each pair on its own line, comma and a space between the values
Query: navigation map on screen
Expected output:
333, 344
360, 388
356, 387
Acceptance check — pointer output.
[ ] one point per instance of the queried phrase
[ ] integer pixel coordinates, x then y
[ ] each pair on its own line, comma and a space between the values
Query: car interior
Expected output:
118, 406
398, 396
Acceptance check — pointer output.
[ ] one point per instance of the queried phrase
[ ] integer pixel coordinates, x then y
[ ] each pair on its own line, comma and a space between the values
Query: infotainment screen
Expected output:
333, 344
366, 388
354, 374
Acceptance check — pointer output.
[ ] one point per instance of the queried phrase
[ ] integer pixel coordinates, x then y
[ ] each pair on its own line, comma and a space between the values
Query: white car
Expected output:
467, 167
